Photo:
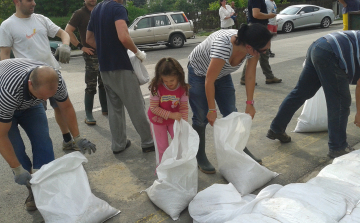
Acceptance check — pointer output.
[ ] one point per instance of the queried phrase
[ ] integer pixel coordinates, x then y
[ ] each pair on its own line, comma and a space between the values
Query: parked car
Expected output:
168, 28
298, 16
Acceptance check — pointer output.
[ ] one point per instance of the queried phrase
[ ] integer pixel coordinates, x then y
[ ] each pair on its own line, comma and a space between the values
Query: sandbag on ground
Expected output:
177, 182
315, 198
347, 172
348, 191
216, 203
62, 193
290, 211
231, 135
253, 218
354, 217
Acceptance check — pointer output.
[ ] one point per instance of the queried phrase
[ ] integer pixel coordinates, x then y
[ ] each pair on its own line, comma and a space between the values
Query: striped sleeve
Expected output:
155, 109
184, 108
61, 93
220, 49
8, 106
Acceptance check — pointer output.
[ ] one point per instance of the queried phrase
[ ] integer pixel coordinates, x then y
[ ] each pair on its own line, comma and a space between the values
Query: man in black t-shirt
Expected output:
257, 12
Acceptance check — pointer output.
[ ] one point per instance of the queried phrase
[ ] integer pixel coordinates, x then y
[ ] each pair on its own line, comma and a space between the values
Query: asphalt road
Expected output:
118, 179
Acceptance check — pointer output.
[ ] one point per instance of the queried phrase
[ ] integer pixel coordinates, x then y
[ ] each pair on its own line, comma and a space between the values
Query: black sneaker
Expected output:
336, 153
271, 54
128, 144
148, 149
283, 137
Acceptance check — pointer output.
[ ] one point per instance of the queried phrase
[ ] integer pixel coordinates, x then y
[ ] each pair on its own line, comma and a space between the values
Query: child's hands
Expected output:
175, 115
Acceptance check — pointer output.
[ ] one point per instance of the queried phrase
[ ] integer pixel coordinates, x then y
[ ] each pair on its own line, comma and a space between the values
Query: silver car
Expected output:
298, 16
168, 28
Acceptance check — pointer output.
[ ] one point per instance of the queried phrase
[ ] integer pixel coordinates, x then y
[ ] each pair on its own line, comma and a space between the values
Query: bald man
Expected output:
24, 85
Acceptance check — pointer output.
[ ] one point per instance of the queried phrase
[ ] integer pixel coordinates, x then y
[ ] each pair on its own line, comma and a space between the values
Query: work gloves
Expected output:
84, 145
21, 176
63, 53
141, 55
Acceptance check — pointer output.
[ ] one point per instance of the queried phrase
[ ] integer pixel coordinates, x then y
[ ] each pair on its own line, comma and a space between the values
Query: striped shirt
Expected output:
14, 88
217, 45
346, 46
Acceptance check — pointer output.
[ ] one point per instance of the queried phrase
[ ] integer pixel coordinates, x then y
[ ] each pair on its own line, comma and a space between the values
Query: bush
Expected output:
214, 6
134, 11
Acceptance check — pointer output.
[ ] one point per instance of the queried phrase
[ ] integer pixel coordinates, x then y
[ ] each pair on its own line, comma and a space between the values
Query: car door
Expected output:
143, 31
306, 17
318, 15
181, 23
162, 28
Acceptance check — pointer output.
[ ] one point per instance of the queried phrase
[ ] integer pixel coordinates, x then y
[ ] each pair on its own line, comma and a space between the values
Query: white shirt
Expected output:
28, 37
271, 8
226, 13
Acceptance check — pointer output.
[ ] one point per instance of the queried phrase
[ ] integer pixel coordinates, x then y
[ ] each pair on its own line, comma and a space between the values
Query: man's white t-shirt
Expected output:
226, 13
28, 37
271, 8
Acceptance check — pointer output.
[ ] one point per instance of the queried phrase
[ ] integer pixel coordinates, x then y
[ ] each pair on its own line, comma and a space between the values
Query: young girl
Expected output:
168, 102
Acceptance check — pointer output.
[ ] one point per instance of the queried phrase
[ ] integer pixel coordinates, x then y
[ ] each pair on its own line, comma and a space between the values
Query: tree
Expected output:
7, 8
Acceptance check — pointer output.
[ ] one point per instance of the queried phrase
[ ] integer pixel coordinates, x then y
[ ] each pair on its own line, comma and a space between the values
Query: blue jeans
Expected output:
321, 69
33, 120
224, 97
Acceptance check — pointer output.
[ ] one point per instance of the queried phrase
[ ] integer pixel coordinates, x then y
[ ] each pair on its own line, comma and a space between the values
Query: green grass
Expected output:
204, 33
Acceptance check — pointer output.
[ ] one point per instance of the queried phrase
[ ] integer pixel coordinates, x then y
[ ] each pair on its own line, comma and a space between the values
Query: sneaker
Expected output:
70, 145
242, 82
273, 80
30, 201
148, 149
128, 144
271, 54
283, 137
336, 153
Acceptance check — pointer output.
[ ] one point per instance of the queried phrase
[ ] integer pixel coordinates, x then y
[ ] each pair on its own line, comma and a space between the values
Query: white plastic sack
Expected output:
315, 198
313, 117
217, 203
349, 192
253, 218
139, 68
354, 217
231, 135
62, 193
178, 175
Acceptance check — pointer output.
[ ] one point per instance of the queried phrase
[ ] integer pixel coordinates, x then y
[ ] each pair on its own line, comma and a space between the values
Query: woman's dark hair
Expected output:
221, 1
168, 67
256, 35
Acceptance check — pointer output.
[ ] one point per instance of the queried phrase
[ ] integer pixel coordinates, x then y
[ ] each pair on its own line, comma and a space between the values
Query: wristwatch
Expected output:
79, 46
250, 102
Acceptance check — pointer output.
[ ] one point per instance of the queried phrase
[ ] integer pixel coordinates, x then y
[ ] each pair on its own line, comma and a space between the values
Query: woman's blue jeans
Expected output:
33, 120
224, 97
321, 69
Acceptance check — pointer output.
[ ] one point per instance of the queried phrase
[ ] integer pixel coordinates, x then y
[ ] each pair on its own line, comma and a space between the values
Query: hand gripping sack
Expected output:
313, 117
177, 181
139, 68
231, 135
62, 193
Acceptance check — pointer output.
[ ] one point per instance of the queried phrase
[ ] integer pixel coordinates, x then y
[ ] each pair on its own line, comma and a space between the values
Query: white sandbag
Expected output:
253, 218
353, 156
345, 171
177, 182
231, 135
313, 117
139, 68
290, 211
217, 203
349, 192
62, 193
354, 217
315, 198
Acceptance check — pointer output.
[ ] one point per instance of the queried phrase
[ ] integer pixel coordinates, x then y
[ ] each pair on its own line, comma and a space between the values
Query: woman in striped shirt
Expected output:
210, 66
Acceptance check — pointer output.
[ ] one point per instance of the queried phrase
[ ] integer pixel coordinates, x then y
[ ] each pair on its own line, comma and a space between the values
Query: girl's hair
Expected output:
256, 35
220, 2
168, 67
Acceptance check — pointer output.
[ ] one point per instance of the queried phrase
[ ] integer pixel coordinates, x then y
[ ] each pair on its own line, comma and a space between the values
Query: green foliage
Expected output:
184, 5
138, 3
7, 8
201, 5
214, 6
57, 8
134, 11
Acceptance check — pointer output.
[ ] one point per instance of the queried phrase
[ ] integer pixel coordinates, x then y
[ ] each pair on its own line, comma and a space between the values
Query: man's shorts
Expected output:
272, 28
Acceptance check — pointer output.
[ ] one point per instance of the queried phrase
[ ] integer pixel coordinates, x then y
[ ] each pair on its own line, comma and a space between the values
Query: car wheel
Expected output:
177, 41
325, 22
53, 51
288, 27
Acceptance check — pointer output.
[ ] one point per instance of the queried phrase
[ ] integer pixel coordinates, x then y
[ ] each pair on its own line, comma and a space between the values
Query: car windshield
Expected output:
135, 20
290, 11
